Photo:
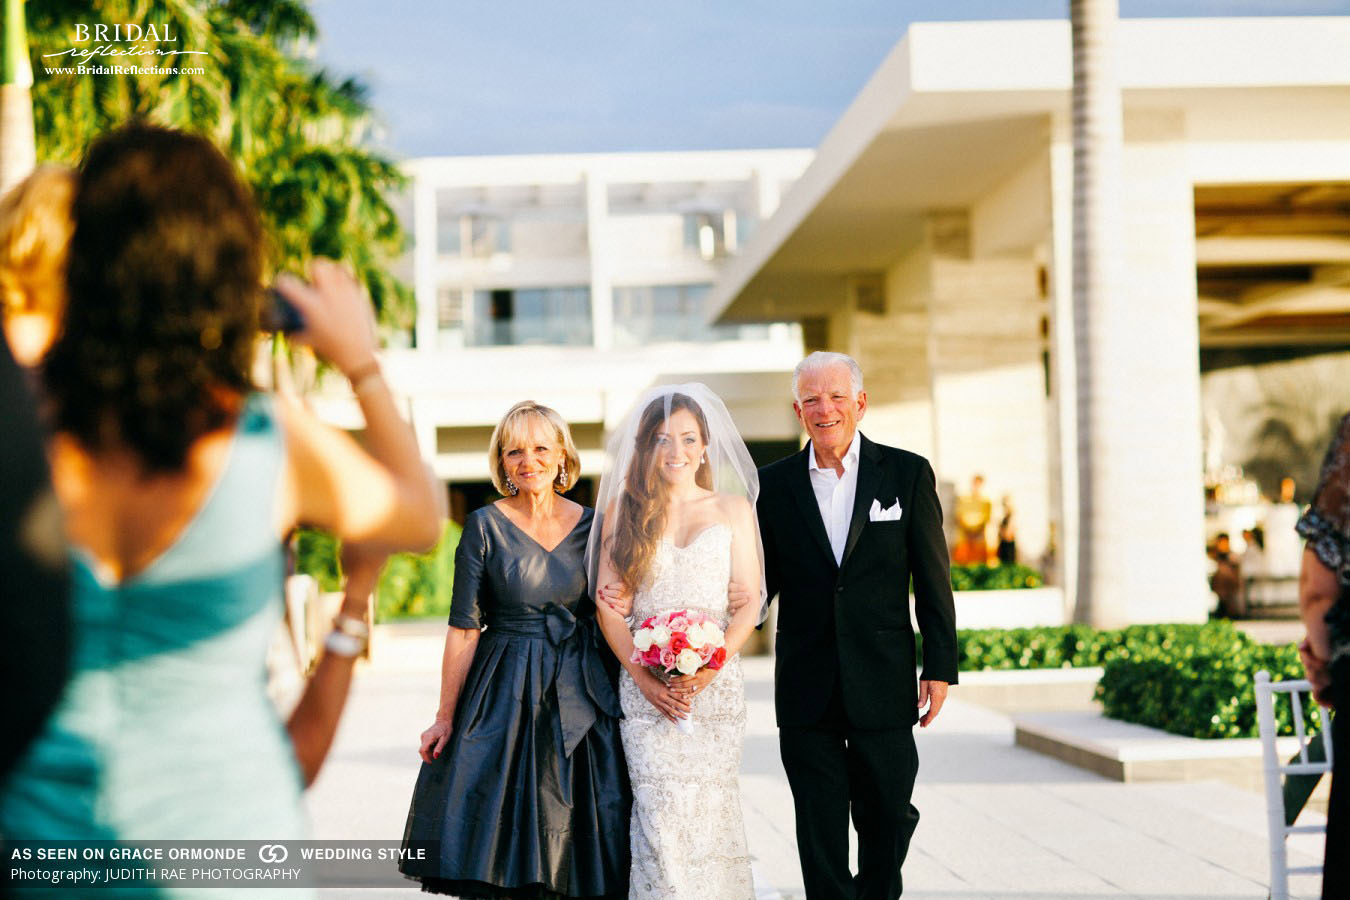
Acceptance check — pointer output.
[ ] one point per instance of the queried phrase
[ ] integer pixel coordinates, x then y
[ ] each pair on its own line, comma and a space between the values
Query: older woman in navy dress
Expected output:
523, 783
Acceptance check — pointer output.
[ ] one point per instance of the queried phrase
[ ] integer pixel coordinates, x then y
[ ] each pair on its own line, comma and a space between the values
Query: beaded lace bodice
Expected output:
693, 577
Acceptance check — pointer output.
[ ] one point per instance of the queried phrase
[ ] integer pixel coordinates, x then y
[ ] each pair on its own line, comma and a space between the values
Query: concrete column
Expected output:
1158, 503
766, 193
1063, 366
468, 313
597, 225
892, 347
988, 383
424, 262
1150, 484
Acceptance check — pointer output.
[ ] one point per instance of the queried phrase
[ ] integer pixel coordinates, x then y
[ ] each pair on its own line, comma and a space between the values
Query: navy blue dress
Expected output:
530, 797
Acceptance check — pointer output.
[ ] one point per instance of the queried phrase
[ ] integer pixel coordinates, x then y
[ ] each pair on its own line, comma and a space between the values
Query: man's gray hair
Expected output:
823, 359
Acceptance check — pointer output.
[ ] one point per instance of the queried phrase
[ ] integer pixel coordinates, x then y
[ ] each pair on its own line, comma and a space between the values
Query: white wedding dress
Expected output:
688, 835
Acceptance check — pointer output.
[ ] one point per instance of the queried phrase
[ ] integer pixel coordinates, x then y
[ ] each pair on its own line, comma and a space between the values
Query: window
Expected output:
479, 234
647, 314
488, 235
447, 237
705, 234
715, 233
512, 316
450, 308
450, 316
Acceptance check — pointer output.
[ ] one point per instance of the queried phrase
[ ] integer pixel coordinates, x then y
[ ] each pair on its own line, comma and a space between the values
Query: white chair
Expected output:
1275, 770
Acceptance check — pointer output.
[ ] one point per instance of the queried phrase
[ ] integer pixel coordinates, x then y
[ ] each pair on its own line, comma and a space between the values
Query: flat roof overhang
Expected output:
957, 107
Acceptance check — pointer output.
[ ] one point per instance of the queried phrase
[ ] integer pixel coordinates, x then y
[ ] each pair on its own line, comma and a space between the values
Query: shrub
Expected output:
1193, 680
419, 585
316, 553
994, 578
1072, 645
1203, 689
411, 585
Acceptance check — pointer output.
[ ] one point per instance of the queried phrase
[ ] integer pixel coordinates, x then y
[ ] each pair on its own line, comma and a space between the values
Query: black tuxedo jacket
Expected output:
849, 623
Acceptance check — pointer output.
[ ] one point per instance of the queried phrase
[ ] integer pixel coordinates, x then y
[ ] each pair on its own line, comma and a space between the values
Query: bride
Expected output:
678, 523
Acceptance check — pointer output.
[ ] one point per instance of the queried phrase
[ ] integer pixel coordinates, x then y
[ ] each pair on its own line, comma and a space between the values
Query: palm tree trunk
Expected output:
18, 153
1097, 140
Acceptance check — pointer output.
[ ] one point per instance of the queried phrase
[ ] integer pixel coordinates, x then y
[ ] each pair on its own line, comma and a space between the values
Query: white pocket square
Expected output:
889, 514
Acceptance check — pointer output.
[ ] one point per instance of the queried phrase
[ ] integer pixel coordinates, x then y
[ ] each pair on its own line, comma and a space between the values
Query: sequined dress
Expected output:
688, 834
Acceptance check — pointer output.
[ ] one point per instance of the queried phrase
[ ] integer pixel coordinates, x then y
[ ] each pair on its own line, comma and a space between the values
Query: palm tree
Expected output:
298, 137
17, 151
1097, 139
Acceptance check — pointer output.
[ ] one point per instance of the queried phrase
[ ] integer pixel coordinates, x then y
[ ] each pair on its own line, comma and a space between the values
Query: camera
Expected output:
279, 314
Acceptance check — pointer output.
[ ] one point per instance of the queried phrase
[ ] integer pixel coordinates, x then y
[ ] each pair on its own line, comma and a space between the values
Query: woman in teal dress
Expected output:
178, 482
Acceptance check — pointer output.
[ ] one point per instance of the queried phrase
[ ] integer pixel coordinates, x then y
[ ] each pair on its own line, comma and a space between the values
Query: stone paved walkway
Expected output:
998, 821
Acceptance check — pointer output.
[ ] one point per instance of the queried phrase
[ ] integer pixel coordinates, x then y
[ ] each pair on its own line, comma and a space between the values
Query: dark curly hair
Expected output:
164, 284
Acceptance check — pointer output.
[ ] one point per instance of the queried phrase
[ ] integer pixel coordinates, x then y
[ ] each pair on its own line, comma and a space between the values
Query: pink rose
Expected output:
679, 623
667, 659
705, 653
653, 656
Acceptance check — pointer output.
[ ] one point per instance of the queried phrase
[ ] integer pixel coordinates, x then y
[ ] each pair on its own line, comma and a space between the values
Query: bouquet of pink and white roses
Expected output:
681, 641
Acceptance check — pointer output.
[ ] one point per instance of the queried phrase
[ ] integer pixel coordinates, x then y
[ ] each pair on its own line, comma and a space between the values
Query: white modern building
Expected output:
931, 238
578, 281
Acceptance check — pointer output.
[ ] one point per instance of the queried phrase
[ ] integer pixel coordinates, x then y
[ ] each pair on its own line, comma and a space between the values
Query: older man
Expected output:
846, 523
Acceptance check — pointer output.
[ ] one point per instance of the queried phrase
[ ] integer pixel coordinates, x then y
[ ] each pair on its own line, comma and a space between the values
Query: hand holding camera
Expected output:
334, 316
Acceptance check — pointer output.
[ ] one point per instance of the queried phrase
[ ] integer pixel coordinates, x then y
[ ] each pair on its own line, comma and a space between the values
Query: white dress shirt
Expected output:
835, 494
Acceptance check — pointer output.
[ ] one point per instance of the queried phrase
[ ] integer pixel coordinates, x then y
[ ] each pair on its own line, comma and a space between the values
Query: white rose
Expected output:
697, 635
688, 661
714, 635
642, 640
661, 636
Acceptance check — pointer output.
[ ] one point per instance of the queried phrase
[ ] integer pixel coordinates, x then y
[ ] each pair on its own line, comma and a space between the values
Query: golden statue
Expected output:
973, 512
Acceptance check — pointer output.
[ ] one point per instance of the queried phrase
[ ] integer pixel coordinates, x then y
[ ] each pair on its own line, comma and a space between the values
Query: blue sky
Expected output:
546, 76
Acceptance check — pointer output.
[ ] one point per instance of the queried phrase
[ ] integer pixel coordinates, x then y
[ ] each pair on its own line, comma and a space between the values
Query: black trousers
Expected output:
836, 771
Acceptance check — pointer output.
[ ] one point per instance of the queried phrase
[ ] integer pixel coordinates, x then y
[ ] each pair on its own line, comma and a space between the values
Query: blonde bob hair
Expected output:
511, 432
35, 229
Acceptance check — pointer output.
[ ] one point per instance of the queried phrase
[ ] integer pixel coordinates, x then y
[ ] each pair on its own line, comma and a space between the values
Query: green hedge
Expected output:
1068, 645
419, 585
316, 553
994, 578
411, 585
1193, 680
1203, 689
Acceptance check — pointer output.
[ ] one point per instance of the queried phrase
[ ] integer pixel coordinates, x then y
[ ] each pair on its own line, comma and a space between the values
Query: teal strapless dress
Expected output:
165, 731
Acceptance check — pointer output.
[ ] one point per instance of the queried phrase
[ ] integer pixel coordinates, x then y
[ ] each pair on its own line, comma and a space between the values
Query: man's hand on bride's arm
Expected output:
932, 694
688, 685
738, 595
617, 597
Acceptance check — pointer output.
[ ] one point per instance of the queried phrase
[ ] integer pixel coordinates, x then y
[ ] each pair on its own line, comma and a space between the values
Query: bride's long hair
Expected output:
640, 518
